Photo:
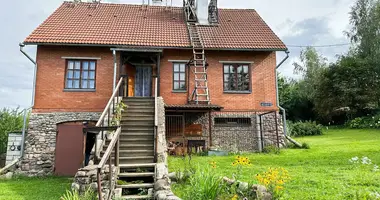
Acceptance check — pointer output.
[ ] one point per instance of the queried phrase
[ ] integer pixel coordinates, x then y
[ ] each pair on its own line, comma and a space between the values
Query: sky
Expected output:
296, 22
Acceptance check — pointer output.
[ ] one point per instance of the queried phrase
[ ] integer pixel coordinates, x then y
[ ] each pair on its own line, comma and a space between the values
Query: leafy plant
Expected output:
89, 194
204, 184
10, 120
306, 128
365, 122
119, 108
271, 149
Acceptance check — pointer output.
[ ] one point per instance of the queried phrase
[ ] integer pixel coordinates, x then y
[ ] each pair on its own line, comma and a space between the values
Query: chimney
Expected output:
202, 11
207, 11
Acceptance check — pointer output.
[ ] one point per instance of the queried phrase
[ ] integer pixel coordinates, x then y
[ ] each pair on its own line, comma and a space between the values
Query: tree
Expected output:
297, 105
310, 68
10, 120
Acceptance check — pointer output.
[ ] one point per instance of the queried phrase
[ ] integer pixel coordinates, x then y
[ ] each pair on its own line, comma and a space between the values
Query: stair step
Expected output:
138, 124
128, 129
136, 197
140, 185
142, 107
137, 174
129, 166
141, 134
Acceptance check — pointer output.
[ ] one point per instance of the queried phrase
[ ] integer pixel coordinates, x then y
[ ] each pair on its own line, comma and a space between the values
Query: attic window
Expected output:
228, 122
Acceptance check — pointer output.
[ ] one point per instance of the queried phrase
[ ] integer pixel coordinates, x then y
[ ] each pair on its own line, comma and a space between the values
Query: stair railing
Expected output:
108, 119
155, 116
113, 145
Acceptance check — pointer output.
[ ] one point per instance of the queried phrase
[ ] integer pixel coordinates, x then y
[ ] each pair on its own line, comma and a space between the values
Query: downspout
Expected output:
114, 70
22, 45
278, 102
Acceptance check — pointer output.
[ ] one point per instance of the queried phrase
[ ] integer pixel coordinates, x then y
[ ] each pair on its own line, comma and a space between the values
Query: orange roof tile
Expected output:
131, 25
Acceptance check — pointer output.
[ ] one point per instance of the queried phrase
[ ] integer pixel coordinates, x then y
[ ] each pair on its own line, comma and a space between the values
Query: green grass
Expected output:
23, 188
321, 172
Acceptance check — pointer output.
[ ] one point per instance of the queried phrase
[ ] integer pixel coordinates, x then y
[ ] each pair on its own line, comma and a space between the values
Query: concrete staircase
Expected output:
137, 166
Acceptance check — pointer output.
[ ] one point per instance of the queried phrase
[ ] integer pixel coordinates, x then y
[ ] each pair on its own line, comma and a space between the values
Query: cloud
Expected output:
297, 22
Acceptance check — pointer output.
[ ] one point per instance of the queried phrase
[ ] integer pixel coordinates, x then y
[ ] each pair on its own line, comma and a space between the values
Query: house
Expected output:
215, 70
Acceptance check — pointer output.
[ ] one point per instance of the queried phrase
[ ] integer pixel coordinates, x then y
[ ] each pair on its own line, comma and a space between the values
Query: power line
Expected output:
319, 46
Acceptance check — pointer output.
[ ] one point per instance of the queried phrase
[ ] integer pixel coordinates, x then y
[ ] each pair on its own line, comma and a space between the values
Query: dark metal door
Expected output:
143, 81
69, 152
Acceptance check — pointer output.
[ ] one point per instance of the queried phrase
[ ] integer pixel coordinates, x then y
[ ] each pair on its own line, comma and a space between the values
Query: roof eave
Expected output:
155, 47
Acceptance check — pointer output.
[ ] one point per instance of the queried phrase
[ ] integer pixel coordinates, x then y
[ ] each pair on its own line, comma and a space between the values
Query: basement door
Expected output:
69, 152
143, 81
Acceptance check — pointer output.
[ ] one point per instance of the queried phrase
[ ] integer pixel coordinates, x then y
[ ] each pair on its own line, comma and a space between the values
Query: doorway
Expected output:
143, 81
69, 152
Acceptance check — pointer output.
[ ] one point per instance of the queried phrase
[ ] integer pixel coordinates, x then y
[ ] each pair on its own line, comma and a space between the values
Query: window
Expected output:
80, 74
179, 76
225, 121
236, 77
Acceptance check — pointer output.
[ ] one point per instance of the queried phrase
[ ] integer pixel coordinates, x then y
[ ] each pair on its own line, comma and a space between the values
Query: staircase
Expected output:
200, 93
137, 165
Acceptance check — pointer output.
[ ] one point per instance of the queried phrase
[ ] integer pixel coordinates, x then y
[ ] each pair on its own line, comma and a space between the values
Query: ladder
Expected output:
200, 94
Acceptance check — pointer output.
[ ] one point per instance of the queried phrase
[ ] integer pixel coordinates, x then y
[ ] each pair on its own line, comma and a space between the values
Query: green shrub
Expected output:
74, 195
364, 122
306, 128
271, 149
204, 184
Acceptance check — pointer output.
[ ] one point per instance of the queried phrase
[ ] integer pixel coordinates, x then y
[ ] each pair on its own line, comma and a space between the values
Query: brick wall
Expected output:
263, 79
51, 97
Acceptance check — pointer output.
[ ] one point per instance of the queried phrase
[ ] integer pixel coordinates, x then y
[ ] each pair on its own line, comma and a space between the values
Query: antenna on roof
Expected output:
95, 2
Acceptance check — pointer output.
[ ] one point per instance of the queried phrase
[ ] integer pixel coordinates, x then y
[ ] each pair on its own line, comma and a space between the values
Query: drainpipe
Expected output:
22, 45
278, 102
114, 70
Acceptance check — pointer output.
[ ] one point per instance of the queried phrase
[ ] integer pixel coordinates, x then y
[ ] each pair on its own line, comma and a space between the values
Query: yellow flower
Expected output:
235, 197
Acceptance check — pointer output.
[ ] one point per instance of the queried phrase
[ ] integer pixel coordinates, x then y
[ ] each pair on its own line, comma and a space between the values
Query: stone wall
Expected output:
199, 118
162, 189
270, 132
40, 141
86, 178
246, 137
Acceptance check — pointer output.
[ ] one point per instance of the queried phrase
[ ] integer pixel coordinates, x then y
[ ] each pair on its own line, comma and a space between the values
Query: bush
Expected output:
306, 128
364, 122
204, 184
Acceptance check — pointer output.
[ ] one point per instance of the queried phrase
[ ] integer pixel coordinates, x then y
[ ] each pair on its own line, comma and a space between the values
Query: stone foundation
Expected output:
40, 141
86, 178
246, 137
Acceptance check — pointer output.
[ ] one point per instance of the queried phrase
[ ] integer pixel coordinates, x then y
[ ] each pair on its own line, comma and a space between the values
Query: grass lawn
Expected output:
50, 188
321, 172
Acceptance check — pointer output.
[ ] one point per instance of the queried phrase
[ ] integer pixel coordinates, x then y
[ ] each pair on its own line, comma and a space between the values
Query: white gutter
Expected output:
278, 102
22, 45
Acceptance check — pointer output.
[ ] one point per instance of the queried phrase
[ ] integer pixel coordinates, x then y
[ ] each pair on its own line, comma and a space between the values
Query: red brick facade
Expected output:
51, 97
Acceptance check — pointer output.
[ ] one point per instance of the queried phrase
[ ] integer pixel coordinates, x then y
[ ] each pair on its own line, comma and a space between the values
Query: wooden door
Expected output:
69, 152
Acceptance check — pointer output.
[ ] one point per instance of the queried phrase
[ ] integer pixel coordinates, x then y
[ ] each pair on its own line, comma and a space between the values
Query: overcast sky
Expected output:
296, 22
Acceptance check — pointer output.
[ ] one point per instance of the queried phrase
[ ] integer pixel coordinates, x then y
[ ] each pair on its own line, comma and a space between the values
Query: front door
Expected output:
143, 81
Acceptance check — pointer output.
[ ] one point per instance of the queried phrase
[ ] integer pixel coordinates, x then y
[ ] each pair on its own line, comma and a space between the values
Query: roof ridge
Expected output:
123, 4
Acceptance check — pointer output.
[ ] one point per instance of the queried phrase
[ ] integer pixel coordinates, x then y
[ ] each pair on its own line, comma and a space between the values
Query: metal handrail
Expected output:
114, 144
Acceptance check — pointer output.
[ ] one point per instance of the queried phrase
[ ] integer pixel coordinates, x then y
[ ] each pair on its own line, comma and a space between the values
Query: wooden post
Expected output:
99, 184
117, 152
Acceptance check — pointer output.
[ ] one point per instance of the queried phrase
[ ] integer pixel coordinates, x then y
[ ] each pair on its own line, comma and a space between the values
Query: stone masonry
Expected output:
40, 142
86, 179
162, 182
246, 138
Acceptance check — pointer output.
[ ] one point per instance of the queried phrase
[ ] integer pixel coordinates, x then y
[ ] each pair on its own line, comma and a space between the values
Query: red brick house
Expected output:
215, 71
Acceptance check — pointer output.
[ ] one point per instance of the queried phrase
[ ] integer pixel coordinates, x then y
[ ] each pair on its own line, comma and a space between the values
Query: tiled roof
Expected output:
130, 25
